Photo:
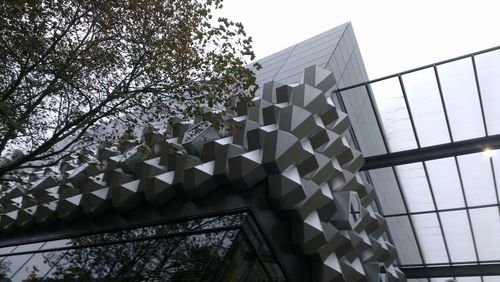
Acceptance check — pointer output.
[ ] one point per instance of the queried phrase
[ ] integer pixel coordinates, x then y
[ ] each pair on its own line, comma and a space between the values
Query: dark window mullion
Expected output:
467, 208
408, 109
441, 210
409, 217
496, 186
476, 77
437, 214
443, 103
377, 118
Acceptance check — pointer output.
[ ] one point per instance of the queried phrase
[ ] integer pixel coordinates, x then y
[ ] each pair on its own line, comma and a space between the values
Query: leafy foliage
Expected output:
74, 73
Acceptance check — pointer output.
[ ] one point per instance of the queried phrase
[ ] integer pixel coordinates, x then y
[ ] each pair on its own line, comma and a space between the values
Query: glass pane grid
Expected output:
448, 236
448, 209
446, 229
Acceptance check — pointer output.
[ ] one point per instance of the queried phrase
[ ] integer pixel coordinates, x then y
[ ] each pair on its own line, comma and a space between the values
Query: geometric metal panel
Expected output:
310, 169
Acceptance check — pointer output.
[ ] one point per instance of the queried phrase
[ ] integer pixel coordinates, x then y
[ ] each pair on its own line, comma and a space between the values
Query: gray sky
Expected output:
393, 35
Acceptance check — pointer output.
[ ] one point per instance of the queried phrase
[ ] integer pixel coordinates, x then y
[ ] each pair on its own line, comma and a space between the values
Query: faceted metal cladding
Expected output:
291, 138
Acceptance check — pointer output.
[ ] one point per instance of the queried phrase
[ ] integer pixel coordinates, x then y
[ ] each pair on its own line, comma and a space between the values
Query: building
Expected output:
428, 136
281, 198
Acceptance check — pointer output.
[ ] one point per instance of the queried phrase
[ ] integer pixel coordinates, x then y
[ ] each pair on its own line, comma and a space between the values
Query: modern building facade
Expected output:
280, 197
429, 137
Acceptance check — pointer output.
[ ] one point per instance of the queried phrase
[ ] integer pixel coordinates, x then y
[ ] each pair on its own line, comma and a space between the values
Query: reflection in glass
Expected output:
227, 248
441, 279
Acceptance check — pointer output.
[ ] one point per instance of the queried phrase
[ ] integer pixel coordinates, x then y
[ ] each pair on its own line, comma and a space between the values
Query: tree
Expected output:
77, 72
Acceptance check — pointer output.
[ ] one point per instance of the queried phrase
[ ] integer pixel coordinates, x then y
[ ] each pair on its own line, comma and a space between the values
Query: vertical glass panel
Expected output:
430, 238
415, 187
461, 99
477, 178
486, 227
363, 121
404, 240
388, 193
458, 236
441, 279
443, 175
488, 71
425, 104
417, 280
391, 107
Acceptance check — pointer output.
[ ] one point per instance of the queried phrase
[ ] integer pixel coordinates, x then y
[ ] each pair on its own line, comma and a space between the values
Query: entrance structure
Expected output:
284, 165
279, 196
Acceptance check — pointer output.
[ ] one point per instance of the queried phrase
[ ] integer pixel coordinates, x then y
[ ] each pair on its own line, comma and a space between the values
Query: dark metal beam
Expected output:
433, 152
452, 271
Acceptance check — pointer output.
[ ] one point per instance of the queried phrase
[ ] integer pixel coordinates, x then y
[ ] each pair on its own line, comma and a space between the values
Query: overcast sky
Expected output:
393, 35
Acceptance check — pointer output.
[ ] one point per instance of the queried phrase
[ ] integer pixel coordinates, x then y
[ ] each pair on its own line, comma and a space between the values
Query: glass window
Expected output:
161, 253
488, 71
458, 236
491, 278
7, 250
426, 107
443, 175
461, 99
486, 227
387, 190
35, 266
430, 238
415, 187
469, 279
477, 179
392, 110
404, 240
363, 121
15, 264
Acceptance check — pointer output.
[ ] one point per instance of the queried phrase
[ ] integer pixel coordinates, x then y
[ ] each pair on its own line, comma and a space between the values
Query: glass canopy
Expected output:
437, 188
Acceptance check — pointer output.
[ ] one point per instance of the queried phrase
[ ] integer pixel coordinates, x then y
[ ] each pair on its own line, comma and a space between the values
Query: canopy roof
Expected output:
436, 185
